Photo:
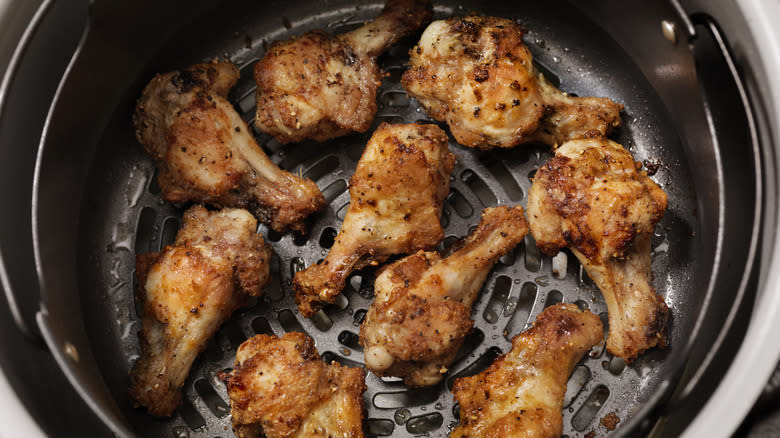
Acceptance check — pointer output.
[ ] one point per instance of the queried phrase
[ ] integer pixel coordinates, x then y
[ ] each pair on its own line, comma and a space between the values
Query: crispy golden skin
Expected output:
318, 87
280, 388
521, 393
205, 152
396, 196
188, 290
421, 313
475, 74
592, 198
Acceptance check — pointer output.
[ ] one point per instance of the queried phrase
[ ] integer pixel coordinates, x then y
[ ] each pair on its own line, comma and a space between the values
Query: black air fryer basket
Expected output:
97, 204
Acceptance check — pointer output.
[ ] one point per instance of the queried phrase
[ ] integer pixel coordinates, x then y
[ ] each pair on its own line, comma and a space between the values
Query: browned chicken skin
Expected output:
521, 393
188, 290
396, 196
205, 152
591, 198
475, 74
421, 313
280, 388
318, 87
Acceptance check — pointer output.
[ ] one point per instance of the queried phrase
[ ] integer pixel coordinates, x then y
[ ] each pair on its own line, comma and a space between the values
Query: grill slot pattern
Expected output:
521, 285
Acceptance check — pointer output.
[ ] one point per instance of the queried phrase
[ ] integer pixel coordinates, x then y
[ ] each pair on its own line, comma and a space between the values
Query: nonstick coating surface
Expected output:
124, 214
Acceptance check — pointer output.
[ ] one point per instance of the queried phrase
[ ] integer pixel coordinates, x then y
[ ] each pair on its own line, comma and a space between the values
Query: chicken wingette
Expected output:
422, 307
188, 290
206, 153
396, 196
521, 394
319, 87
475, 74
592, 198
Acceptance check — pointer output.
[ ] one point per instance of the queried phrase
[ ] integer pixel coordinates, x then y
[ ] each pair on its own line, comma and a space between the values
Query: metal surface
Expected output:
90, 158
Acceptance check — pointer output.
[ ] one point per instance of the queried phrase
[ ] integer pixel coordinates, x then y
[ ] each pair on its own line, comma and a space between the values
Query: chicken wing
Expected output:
592, 198
188, 290
396, 195
521, 393
319, 87
422, 310
280, 388
205, 152
475, 74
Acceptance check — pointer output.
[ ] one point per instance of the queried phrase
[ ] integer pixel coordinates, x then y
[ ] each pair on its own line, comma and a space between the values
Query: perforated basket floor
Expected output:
521, 285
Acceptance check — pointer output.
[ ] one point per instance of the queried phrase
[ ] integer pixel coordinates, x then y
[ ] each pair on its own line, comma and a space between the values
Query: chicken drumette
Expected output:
319, 87
205, 152
421, 313
280, 388
475, 74
396, 197
592, 198
188, 290
521, 393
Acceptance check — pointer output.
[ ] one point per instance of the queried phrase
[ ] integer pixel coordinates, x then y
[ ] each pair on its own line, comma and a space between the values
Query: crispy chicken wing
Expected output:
421, 313
521, 393
475, 74
396, 197
280, 388
188, 290
319, 87
592, 198
206, 153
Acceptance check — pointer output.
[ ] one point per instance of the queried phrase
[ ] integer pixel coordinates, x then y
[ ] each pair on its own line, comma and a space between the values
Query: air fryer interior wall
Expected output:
91, 322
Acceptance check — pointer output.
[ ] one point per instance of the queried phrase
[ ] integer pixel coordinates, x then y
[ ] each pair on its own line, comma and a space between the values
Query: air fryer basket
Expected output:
86, 254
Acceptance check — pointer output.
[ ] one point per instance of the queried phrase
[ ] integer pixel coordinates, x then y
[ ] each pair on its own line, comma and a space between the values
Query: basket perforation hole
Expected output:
615, 366
478, 186
523, 308
583, 305
234, 334
590, 408
274, 290
273, 236
502, 287
154, 187
322, 168
297, 264
477, 366
533, 257
213, 401
261, 326
170, 227
327, 237
292, 156
146, 231
470, 343
299, 239
322, 321
358, 317
289, 322
379, 426
190, 415
509, 258
460, 204
444, 220
341, 303
501, 173
350, 339
579, 377
388, 118
406, 399
395, 99
342, 211
553, 297
333, 191
599, 348
424, 423
329, 357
